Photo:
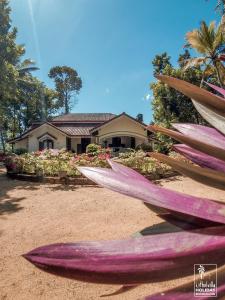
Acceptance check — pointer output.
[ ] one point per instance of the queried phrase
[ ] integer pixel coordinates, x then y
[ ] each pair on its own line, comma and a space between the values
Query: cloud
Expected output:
148, 97
107, 90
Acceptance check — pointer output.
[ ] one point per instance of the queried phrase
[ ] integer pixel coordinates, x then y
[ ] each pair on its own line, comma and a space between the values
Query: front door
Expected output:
132, 142
116, 142
84, 143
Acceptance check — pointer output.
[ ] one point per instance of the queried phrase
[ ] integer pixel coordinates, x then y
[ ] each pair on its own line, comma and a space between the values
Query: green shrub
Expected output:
146, 147
20, 151
93, 149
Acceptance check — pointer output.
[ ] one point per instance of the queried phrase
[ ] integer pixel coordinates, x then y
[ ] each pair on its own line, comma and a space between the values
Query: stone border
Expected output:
78, 180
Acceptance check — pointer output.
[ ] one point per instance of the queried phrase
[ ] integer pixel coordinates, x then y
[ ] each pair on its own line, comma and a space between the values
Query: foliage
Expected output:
93, 148
169, 105
20, 151
139, 161
52, 161
145, 147
23, 97
209, 41
67, 83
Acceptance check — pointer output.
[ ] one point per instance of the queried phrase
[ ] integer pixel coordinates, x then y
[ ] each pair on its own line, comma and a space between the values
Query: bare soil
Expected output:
34, 214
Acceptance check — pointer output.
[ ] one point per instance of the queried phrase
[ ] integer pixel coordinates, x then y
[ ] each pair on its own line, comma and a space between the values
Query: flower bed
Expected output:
61, 164
53, 162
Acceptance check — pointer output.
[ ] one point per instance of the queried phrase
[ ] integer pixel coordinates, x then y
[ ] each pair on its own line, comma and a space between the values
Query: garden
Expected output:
62, 163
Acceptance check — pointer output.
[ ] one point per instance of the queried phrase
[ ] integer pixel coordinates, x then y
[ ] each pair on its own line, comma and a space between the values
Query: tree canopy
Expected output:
170, 106
67, 84
23, 97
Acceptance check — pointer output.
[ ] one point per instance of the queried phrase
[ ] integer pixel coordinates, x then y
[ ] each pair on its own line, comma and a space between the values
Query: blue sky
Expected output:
111, 44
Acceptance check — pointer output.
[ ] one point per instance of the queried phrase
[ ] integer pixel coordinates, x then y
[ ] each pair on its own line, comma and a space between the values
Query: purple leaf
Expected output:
212, 117
204, 175
201, 133
200, 158
217, 88
156, 196
196, 143
126, 171
133, 261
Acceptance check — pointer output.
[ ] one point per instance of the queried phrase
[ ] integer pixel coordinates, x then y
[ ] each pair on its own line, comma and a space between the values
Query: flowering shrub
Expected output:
93, 149
141, 162
51, 162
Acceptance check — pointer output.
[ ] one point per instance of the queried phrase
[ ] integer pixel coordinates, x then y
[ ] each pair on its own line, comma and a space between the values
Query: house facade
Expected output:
77, 130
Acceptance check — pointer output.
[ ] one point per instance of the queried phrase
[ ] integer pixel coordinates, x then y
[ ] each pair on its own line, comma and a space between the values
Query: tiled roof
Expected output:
76, 130
81, 117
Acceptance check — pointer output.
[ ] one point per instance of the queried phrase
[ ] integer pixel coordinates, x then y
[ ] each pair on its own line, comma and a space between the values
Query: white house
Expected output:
76, 130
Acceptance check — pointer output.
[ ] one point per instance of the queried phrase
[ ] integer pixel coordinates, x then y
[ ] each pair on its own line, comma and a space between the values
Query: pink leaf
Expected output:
217, 88
200, 158
201, 133
133, 261
156, 196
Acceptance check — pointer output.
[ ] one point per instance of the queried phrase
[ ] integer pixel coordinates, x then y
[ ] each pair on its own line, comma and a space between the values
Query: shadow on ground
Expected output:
169, 179
9, 204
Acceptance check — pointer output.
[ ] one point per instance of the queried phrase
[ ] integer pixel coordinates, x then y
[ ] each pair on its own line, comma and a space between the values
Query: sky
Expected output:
111, 44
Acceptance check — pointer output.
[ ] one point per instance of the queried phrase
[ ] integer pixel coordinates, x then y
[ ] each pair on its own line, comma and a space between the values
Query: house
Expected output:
75, 131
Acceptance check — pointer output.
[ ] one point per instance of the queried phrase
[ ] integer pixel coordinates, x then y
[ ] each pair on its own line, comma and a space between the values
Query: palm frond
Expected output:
194, 62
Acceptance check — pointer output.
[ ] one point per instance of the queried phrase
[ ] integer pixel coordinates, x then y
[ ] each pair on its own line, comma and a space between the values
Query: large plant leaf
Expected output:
207, 148
217, 88
203, 175
200, 95
214, 118
200, 158
148, 192
133, 261
186, 291
204, 134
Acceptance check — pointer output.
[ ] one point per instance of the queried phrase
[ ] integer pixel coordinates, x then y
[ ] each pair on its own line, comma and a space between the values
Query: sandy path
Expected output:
32, 215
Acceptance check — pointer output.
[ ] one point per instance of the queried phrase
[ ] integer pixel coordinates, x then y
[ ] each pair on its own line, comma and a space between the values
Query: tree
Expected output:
10, 54
208, 41
36, 102
67, 84
170, 106
23, 97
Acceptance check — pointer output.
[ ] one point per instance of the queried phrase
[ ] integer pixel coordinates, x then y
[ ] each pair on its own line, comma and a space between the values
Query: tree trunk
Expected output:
67, 110
218, 74
2, 141
14, 121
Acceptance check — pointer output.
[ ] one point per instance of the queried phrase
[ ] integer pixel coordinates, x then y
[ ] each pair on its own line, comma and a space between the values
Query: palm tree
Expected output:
209, 42
220, 7
24, 70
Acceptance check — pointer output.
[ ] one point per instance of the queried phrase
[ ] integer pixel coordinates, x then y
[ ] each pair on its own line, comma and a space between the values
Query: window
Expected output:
46, 144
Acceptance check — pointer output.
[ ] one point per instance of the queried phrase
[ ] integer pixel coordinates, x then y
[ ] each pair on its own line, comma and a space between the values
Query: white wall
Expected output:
74, 142
59, 143
77, 140
21, 144
123, 126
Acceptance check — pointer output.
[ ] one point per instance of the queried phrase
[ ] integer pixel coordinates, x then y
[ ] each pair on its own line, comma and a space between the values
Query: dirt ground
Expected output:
34, 214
